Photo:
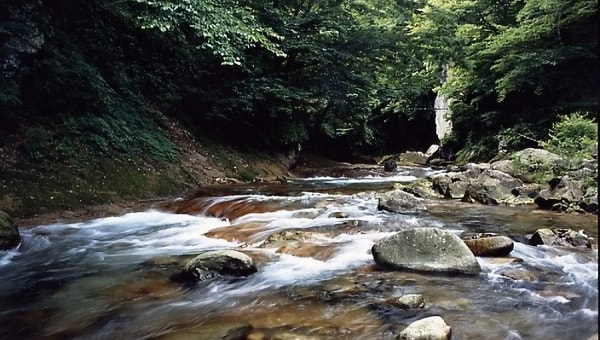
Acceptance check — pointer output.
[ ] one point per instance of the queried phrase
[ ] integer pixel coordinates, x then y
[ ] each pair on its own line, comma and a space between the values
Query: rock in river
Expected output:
426, 250
431, 328
489, 244
217, 263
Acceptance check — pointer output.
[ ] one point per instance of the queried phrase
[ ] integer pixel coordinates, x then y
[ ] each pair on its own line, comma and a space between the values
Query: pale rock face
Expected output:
443, 125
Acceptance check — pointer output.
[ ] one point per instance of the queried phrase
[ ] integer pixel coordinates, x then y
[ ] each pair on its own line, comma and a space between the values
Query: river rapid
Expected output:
109, 278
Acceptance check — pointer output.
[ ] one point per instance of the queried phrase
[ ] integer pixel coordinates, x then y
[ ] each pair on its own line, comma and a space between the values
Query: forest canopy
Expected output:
338, 77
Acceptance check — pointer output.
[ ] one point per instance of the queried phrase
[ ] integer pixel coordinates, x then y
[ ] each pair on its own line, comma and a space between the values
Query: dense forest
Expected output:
102, 77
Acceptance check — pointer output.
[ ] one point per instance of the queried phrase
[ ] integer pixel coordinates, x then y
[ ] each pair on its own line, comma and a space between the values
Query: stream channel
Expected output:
109, 278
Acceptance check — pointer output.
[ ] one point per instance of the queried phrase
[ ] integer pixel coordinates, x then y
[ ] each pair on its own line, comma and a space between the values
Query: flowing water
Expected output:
109, 277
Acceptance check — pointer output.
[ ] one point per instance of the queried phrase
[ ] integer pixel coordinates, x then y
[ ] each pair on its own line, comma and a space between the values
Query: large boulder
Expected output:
589, 202
562, 194
489, 244
530, 161
430, 328
493, 187
421, 188
425, 250
9, 234
215, 264
399, 201
474, 170
560, 237
450, 184
413, 157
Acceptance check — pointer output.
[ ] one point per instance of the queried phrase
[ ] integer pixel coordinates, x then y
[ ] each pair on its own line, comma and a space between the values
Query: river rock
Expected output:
560, 237
530, 161
430, 328
390, 165
284, 237
9, 233
450, 184
492, 187
474, 170
399, 201
408, 301
421, 188
562, 194
413, 157
518, 275
425, 250
433, 151
488, 244
589, 202
217, 263
505, 165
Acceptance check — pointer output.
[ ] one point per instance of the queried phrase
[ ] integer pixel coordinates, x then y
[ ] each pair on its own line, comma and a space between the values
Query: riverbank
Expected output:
89, 187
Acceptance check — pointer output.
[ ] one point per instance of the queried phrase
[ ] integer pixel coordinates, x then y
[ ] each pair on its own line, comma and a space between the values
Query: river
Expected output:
108, 278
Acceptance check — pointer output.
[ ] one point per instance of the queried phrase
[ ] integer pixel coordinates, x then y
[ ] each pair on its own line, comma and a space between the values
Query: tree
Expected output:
518, 66
225, 27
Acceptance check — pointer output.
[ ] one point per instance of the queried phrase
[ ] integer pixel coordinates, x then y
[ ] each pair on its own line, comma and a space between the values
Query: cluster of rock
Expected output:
424, 250
513, 182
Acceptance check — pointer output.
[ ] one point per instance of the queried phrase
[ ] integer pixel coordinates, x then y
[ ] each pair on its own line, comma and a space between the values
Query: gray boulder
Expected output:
562, 194
589, 202
215, 264
426, 250
413, 157
421, 188
399, 201
473, 170
489, 244
430, 328
560, 237
493, 187
450, 184
530, 161
9, 234
505, 165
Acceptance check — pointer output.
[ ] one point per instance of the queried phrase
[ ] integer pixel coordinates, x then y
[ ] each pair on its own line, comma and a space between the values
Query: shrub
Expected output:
572, 136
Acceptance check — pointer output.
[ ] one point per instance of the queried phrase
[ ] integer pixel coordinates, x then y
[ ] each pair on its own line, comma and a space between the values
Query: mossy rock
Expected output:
9, 234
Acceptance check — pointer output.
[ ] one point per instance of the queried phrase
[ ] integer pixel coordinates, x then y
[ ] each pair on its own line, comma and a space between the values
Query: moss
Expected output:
31, 189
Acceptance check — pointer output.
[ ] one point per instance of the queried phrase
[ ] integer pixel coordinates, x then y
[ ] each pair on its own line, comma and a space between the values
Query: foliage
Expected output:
573, 136
227, 28
338, 77
519, 64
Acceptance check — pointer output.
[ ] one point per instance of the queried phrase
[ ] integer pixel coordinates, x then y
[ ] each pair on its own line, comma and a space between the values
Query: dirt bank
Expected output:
52, 192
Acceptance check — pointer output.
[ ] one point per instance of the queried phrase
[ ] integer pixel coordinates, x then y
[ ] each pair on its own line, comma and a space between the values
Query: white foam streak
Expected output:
289, 269
7, 255
366, 179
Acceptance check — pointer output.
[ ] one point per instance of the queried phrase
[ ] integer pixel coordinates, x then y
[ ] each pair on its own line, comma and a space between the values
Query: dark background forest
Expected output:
102, 78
